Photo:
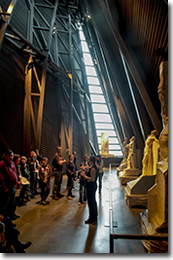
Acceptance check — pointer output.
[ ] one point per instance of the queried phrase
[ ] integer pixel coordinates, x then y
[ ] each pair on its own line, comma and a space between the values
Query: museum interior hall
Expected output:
84, 127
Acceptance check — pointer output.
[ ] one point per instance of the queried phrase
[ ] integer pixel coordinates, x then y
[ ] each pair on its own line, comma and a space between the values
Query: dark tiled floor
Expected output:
59, 227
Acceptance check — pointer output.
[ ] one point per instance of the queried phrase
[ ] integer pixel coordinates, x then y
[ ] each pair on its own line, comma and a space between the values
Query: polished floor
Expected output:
59, 227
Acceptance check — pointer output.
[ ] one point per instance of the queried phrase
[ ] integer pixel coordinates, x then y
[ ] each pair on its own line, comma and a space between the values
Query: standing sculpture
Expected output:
131, 159
155, 219
150, 158
131, 171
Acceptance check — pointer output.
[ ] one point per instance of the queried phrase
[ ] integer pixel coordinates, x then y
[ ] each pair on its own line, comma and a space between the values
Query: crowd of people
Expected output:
21, 179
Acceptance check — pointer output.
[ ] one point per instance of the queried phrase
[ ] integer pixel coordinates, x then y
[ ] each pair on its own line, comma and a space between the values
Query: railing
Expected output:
113, 235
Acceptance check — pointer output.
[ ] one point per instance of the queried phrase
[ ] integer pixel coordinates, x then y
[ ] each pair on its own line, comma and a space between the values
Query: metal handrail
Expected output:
113, 235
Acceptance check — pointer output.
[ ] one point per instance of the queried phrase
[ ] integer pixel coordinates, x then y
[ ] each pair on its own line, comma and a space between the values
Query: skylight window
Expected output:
90, 71
97, 98
81, 35
100, 108
84, 47
93, 80
109, 133
102, 118
113, 140
104, 126
95, 89
87, 59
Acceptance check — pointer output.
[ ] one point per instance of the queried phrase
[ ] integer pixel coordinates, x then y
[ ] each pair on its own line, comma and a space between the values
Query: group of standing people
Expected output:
20, 179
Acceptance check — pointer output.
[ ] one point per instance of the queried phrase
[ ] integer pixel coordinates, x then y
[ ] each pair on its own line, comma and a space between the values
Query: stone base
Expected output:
132, 172
122, 166
128, 175
136, 190
135, 200
148, 228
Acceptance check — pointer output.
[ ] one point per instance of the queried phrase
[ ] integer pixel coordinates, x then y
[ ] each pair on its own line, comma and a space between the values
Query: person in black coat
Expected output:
70, 171
91, 186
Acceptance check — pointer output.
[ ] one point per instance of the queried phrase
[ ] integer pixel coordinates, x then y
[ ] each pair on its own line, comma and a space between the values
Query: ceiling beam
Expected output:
6, 17
100, 8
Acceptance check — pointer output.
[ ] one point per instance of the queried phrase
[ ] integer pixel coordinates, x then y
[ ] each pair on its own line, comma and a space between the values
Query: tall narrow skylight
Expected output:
102, 118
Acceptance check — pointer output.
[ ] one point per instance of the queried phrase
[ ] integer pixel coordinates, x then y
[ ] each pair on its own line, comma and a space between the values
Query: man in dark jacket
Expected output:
57, 163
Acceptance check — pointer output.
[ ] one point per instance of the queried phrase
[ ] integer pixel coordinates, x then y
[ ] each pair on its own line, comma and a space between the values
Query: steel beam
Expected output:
131, 66
71, 87
43, 81
6, 18
85, 102
122, 110
27, 109
134, 99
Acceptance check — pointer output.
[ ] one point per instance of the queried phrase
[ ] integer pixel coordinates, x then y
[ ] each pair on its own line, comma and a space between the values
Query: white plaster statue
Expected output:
150, 158
131, 159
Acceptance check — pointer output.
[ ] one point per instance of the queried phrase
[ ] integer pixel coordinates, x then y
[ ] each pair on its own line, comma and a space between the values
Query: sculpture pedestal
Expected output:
155, 219
136, 190
128, 175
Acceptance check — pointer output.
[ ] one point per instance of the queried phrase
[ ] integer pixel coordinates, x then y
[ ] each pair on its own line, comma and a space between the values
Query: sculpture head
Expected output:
154, 132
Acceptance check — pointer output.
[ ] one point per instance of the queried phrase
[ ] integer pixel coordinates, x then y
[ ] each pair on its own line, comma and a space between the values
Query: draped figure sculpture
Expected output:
150, 158
131, 159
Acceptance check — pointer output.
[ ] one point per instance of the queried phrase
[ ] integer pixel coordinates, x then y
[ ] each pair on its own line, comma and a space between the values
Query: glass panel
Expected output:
84, 47
81, 34
99, 139
87, 59
109, 133
114, 147
97, 98
102, 118
100, 108
104, 126
113, 140
116, 153
103, 122
93, 80
90, 71
95, 89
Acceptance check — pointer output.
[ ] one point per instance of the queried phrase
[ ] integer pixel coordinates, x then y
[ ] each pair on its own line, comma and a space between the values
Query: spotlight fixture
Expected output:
54, 30
88, 16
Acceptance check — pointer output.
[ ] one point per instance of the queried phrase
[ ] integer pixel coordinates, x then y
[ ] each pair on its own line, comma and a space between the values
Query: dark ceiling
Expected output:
128, 38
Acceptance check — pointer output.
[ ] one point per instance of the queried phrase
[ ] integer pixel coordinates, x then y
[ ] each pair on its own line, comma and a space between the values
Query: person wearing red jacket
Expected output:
8, 182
